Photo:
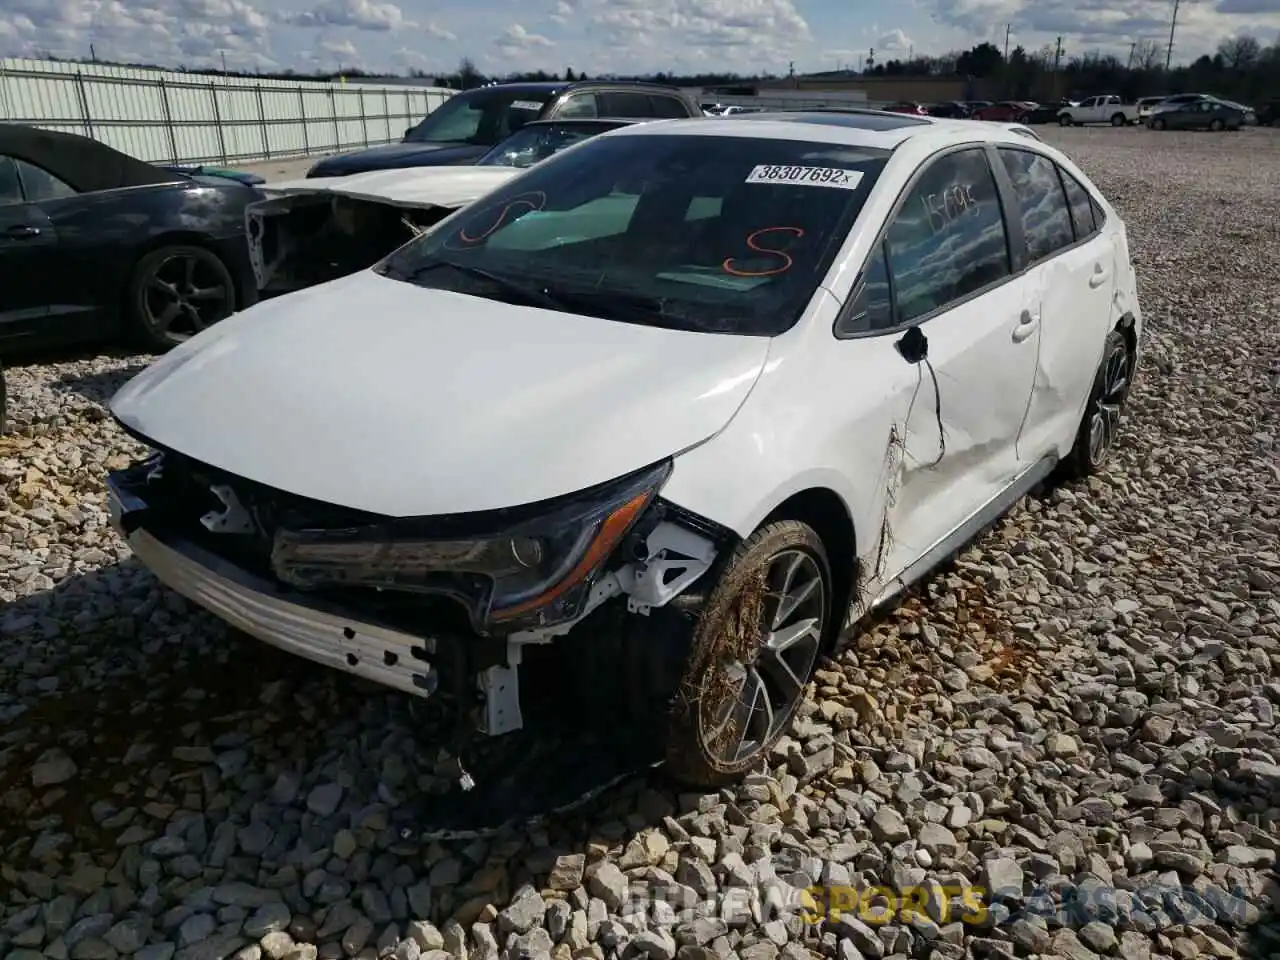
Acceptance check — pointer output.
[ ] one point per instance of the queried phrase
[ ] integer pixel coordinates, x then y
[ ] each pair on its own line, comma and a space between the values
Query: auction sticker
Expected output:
806, 176
526, 105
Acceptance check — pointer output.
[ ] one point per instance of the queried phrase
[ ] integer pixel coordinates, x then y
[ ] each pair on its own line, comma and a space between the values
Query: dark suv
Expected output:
463, 128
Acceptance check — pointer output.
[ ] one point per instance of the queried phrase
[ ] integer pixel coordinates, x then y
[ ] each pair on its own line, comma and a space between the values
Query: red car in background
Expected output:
907, 106
1006, 111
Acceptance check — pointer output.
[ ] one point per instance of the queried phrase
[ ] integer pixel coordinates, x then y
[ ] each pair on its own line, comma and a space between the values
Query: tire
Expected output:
730, 655
1064, 120
1216, 125
4, 403
1158, 123
1095, 437
175, 292
1118, 120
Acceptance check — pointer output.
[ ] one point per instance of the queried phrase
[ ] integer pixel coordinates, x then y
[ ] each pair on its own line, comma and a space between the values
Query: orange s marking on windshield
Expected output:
524, 200
787, 261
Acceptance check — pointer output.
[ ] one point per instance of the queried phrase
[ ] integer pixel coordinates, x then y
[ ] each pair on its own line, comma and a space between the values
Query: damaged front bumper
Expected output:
297, 625
349, 593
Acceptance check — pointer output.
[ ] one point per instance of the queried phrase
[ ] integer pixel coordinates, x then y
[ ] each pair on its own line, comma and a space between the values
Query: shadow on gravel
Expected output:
121, 697
101, 387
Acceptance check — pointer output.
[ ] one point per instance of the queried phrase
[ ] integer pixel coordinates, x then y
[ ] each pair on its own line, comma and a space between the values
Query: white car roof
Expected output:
876, 129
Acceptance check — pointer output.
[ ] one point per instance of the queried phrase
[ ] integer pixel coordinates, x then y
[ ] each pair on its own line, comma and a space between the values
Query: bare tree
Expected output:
1240, 52
1147, 55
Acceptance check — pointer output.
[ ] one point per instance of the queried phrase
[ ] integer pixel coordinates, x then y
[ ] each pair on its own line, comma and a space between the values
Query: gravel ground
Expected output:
1080, 715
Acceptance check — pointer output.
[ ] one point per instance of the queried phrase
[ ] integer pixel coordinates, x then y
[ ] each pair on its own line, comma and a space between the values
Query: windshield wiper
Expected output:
529, 293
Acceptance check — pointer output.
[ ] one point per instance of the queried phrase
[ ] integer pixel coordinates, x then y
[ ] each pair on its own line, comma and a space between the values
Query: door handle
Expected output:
1027, 324
22, 231
1100, 275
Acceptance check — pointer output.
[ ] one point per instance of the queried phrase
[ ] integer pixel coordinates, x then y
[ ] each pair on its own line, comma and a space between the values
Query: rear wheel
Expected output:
1096, 436
1118, 120
174, 293
1064, 120
1216, 124
754, 650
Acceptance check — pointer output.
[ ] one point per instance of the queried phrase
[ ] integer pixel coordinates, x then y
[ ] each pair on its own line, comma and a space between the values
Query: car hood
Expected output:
391, 155
416, 187
379, 395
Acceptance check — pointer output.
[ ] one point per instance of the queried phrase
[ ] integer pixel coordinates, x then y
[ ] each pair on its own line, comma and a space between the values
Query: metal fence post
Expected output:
85, 116
262, 121
333, 111
168, 121
302, 112
364, 122
386, 115
217, 123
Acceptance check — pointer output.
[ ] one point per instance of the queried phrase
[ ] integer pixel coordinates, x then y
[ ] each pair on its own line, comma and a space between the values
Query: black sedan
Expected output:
1208, 113
1046, 112
97, 245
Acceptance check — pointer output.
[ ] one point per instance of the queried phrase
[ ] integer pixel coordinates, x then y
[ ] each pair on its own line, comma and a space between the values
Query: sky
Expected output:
603, 36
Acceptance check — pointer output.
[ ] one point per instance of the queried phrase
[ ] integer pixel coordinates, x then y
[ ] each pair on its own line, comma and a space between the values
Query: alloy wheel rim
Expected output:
1104, 421
755, 689
183, 295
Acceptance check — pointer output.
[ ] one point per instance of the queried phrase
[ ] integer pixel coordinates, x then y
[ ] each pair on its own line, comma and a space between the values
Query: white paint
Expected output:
383, 396
404, 187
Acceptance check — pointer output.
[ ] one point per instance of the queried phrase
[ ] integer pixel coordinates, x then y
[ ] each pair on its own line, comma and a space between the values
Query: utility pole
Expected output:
1007, 28
1132, 46
1057, 58
92, 55
1173, 25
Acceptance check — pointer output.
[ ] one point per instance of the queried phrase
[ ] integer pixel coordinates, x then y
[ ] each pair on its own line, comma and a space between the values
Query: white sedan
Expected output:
746, 378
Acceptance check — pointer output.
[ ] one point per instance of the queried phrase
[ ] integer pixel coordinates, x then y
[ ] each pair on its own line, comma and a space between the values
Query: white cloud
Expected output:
600, 36
895, 41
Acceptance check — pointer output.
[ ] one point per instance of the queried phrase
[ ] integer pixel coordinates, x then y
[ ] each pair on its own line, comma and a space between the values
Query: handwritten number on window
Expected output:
945, 207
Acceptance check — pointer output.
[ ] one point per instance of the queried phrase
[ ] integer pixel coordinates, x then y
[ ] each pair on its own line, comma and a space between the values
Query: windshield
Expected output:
479, 117
716, 234
534, 143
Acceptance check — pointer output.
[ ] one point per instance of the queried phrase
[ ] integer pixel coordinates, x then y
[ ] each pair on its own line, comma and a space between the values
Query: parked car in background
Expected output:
96, 245
1269, 113
670, 405
951, 110
311, 231
1207, 113
463, 128
975, 105
1179, 100
1104, 109
1006, 111
909, 107
1046, 112
1146, 105
1247, 112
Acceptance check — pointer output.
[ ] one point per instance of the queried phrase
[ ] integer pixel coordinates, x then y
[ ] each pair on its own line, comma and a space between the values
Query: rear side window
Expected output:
10, 187
627, 105
948, 240
39, 184
1081, 205
1046, 218
667, 108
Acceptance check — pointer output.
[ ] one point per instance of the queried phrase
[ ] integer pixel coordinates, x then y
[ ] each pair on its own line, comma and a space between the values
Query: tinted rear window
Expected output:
718, 234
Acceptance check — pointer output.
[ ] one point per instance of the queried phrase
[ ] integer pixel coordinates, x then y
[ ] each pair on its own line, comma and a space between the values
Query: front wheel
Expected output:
1096, 436
174, 293
754, 649
1064, 121
1157, 124
1216, 125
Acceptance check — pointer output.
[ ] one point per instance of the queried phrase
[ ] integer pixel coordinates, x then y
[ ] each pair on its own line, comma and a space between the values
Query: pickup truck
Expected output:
1105, 109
